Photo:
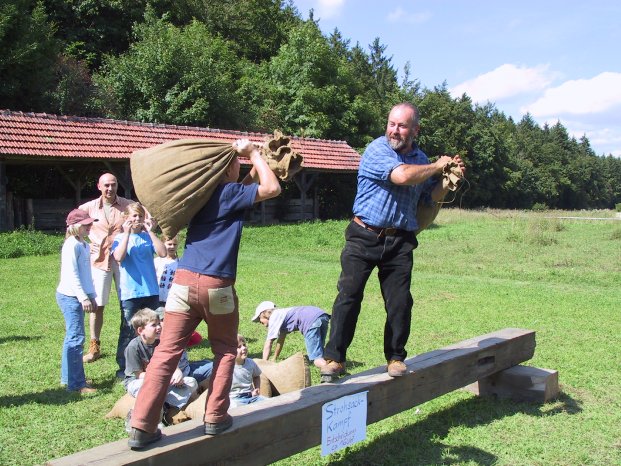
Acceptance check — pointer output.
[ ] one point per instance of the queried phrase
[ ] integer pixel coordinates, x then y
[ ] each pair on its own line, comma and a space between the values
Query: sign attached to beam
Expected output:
344, 422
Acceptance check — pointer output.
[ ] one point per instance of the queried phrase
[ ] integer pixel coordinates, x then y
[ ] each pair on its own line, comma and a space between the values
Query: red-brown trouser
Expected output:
186, 307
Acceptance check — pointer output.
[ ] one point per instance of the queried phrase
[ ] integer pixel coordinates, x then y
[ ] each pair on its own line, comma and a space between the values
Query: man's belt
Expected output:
379, 231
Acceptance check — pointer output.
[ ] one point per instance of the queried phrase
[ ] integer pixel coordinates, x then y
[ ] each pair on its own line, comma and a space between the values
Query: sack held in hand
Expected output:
427, 213
280, 156
175, 180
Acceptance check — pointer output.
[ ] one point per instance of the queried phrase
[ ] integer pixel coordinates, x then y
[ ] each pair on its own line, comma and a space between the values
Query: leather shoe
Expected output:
333, 368
139, 438
215, 428
85, 390
396, 368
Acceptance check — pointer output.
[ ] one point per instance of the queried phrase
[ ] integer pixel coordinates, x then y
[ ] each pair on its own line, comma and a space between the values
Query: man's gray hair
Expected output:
412, 107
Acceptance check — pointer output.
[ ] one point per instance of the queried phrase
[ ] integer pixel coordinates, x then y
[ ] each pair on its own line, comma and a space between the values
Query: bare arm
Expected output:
256, 381
279, 345
269, 186
158, 245
121, 250
267, 348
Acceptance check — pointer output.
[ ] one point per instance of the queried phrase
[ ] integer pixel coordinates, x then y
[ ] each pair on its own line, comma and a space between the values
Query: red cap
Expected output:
79, 216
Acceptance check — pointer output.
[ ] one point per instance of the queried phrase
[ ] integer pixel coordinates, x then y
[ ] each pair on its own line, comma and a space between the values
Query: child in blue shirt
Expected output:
133, 250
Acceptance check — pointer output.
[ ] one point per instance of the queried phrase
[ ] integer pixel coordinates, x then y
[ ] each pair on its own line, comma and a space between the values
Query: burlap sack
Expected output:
175, 180
280, 156
427, 213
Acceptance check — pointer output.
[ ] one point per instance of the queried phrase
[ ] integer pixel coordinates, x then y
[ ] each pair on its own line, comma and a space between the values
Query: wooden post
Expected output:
519, 383
287, 424
4, 218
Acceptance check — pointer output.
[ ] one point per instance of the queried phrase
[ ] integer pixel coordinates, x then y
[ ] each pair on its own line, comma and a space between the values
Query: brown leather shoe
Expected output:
333, 368
86, 390
396, 368
94, 352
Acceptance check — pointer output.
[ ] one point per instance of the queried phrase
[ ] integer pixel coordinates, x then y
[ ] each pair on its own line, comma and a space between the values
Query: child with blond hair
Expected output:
133, 250
139, 351
75, 295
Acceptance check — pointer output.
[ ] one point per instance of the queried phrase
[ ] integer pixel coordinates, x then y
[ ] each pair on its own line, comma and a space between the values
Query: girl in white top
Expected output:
75, 295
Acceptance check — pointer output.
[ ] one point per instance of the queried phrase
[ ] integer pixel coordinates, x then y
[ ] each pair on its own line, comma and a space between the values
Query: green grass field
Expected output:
474, 272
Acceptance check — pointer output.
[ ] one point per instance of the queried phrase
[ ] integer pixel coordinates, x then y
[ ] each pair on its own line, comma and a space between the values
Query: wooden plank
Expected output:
282, 426
519, 383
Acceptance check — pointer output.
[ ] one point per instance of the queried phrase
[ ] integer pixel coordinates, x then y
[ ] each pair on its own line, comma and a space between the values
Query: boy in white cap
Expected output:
311, 321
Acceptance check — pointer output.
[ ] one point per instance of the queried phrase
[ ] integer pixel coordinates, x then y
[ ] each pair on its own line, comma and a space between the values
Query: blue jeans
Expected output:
246, 399
201, 370
71, 367
129, 307
315, 337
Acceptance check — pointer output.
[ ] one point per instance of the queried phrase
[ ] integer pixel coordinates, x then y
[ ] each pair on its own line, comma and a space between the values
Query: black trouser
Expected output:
392, 255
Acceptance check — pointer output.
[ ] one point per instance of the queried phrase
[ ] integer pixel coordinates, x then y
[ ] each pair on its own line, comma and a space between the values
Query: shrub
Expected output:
29, 242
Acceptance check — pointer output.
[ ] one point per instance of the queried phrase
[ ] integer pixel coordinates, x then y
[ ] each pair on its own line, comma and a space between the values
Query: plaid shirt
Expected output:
381, 203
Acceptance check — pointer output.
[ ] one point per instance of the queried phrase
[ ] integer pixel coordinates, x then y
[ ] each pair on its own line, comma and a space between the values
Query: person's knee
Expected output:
191, 383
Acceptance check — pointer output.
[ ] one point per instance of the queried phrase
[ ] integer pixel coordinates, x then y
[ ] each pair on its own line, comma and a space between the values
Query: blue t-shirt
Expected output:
212, 242
137, 271
380, 202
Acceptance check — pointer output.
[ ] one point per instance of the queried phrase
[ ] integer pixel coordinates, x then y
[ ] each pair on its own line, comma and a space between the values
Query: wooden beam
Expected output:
282, 426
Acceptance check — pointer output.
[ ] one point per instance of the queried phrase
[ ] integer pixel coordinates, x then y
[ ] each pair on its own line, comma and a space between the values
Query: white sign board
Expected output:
343, 423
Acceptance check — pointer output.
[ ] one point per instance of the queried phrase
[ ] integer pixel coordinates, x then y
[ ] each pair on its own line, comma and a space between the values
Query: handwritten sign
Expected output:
344, 422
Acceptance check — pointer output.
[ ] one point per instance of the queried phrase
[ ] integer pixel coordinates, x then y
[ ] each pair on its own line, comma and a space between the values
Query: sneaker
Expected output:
165, 418
128, 422
215, 428
333, 368
139, 438
396, 368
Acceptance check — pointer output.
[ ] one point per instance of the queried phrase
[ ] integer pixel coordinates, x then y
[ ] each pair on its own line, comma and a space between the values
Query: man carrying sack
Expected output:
203, 289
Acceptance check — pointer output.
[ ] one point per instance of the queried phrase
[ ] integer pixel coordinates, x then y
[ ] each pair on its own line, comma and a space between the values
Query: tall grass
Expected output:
474, 272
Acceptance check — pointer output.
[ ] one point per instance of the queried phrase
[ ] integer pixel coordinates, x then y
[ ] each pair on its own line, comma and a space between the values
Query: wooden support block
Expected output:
287, 424
520, 383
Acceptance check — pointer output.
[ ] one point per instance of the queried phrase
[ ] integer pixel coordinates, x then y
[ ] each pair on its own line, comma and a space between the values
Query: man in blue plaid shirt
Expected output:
393, 175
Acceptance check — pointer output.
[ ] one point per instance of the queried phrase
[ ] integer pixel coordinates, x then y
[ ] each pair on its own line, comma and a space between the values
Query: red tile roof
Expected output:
39, 135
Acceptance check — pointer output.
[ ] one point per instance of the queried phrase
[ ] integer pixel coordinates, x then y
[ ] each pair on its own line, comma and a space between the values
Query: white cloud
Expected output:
579, 97
399, 15
329, 9
506, 81
590, 107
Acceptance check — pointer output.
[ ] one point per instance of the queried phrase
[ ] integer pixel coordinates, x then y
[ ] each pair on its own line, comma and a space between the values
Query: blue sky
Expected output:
558, 60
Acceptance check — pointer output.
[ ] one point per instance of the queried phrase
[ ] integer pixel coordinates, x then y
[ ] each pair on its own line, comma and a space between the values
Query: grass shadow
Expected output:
54, 396
15, 338
422, 442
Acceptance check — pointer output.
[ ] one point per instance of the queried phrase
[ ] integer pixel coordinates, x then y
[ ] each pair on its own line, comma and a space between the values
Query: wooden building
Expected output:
81, 149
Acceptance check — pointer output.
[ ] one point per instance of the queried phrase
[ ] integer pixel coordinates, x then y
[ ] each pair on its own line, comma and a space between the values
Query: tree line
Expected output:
256, 65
